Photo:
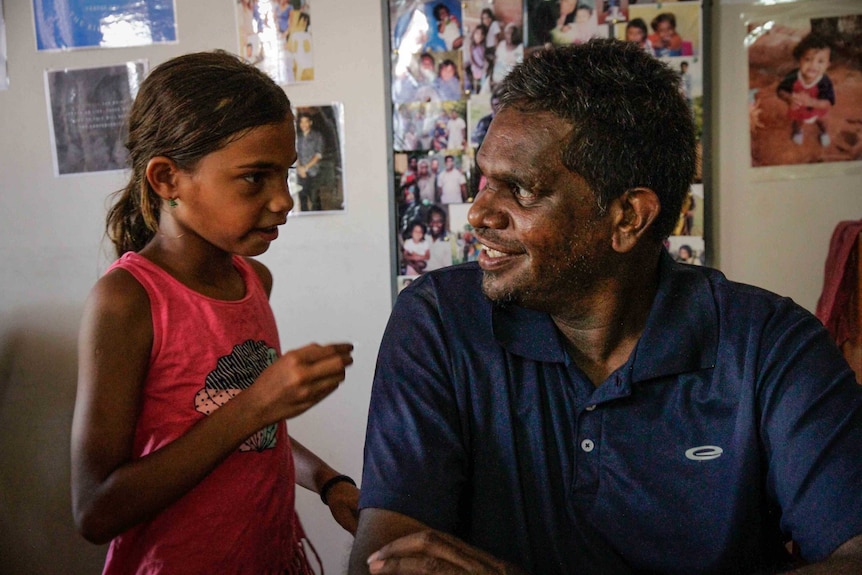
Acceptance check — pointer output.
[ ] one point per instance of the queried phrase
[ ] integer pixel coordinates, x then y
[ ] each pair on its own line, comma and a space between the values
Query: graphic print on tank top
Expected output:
232, 374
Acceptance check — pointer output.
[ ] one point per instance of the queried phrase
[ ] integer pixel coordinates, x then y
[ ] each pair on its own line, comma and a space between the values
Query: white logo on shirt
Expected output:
704, 452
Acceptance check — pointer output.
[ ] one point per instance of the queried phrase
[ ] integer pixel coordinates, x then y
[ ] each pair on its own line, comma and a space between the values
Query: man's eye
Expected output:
523, 194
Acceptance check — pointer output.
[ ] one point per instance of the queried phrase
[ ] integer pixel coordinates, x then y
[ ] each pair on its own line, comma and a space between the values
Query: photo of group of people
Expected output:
805, 99
275, 36
448, 56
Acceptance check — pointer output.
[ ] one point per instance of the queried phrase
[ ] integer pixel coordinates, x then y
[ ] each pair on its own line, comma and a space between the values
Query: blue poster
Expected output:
69, 24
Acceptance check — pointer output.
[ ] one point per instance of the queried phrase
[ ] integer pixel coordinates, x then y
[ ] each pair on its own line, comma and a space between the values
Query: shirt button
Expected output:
588, 445
590, 407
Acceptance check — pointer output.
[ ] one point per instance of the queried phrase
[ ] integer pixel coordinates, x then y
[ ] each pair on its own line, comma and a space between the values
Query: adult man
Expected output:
456, 129
485, 122
426, 183
442, 243
578, 403
309, 150
452, 183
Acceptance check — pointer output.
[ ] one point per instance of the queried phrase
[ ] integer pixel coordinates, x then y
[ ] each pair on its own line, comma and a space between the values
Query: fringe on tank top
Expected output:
300, 564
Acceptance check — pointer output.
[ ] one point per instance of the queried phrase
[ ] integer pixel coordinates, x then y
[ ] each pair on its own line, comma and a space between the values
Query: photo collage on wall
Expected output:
448, 56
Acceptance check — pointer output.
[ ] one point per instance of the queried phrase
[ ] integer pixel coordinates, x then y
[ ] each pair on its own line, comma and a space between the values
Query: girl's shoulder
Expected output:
261, 271
119, 299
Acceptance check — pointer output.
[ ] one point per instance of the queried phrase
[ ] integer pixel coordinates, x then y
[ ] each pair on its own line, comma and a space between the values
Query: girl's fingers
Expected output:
314, 352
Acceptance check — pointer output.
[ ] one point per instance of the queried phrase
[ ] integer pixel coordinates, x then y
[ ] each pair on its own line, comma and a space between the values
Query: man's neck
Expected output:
601, 340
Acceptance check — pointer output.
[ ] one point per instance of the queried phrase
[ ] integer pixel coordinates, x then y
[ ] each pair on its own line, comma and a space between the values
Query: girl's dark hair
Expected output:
186, 108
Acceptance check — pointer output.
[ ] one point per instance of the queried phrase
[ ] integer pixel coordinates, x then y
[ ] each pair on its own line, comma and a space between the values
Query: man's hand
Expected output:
435, 552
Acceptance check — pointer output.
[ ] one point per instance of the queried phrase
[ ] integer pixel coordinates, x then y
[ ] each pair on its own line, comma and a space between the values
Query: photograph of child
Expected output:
577, 22
493, 41
561, 22
805, 105
613, 11
686, 249
674, 28
807, 90
429, 25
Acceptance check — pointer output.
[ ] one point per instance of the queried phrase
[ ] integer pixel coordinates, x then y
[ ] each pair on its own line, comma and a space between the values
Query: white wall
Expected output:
332, 272
772, 233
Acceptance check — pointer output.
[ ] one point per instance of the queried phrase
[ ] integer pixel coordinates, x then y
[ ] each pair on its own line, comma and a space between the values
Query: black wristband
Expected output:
324, 491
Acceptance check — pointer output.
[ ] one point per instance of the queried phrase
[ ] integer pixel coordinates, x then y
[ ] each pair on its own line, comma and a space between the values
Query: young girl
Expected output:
417, 249
636, 31
664, 39
180, 452
476, 64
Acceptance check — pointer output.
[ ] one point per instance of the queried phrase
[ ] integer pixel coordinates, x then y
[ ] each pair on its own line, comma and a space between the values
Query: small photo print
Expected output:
88, 24
317, 179
481, 111
687, 249
804, 93
432, 127
673, 28
275, 36
426, 26
427, 77
690, 221
485, 26
425, 237
404, 281
88, 108
564, 22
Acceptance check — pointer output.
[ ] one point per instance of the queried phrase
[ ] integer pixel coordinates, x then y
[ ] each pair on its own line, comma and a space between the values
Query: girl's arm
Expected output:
112, 491
313, 473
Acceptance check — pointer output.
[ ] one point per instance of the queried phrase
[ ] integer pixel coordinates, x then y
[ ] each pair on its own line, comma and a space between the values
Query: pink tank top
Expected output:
240, 518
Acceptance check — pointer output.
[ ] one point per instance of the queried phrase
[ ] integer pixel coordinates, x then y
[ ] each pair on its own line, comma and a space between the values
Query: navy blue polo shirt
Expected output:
735, 425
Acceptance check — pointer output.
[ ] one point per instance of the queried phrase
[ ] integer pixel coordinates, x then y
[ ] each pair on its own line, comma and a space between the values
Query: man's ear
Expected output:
634, 213
162, 175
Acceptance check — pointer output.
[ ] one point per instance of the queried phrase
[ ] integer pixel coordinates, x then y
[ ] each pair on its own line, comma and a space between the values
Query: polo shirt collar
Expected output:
681, 332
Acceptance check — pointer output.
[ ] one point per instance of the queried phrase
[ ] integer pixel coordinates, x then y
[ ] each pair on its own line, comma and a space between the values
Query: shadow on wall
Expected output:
38, 371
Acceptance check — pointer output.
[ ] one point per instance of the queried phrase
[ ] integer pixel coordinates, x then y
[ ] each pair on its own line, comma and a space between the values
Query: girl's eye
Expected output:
253, 178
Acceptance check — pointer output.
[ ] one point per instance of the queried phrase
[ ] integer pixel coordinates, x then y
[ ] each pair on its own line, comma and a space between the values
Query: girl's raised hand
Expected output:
299, 379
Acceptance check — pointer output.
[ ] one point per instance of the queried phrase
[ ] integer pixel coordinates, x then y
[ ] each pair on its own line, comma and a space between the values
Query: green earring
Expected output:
172, 202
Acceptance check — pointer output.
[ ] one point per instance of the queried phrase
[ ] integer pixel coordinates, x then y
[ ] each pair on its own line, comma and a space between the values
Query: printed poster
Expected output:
275, 36
70, 24
316, 180
804, 94
87, 109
